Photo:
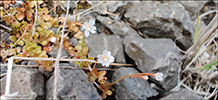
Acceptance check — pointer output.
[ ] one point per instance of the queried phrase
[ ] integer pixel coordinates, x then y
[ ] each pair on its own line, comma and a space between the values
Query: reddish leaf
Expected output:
101, 73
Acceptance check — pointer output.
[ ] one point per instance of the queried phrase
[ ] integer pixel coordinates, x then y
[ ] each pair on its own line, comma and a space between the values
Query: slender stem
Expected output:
95, 63
66, 67
53, 59
131, 75
90, 69
59, 55
33, 27
136, 76
77, 23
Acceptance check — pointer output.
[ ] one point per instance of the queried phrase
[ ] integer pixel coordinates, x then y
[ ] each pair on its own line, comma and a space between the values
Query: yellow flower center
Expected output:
88, 27
105, 58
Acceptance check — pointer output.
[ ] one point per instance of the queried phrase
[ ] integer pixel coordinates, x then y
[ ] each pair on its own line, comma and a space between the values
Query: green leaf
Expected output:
79, 54
207, 67
44, 42
70, 48
108, 92
78, 46
30, 49
85, 51
12, 45
13, 38
81, 65
14, 51
39, 29
90, 58
48, 69
58, 30
49, 33
20, 42
38, 49
43, 54
77, 62
101, 73
197, 30
33, 44
92, 78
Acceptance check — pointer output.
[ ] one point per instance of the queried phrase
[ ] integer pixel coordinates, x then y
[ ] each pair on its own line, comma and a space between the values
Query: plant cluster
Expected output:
32, 36
35, 37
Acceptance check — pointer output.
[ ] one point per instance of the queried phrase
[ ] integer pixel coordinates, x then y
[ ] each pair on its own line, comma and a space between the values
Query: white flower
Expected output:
89, 27
105, 58
53, 39
159, 76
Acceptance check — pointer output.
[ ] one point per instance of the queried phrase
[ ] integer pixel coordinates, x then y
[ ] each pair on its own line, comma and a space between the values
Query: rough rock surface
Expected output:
183, 94
162, 20
54, 53
5, 37
131, 88
108, 6
72, 4
73, 41
98, 43
193, 7
28, 82
74, 84
155, 55
117, 27
3, 69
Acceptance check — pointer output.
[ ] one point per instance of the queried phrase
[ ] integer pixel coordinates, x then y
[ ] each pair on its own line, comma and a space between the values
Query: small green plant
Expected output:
35, 43
34, 38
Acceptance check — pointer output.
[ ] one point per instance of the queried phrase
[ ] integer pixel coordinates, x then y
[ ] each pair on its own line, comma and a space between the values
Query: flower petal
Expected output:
94, 28
84, 25
107, 64
86, 33
104, 64
108, 53
92, 22
92, 31
104, 52
111, 59
100, 58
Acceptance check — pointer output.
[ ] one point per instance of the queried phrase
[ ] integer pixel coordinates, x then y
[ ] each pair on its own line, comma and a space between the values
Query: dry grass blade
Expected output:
59, 55
206, 36
203, 53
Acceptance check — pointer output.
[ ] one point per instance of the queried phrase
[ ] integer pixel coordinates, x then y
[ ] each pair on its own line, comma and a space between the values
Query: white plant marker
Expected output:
8, 78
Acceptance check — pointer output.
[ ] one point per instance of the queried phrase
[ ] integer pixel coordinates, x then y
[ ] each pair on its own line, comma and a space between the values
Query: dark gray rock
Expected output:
5, 37
155, 55
28, 82
73, 41
74, 84
72, 4
98, 43
193, 7
117, 27
28, 63
108, 6
112, 6
131, 88
54, 53
183, 94
3, 69
162, 20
